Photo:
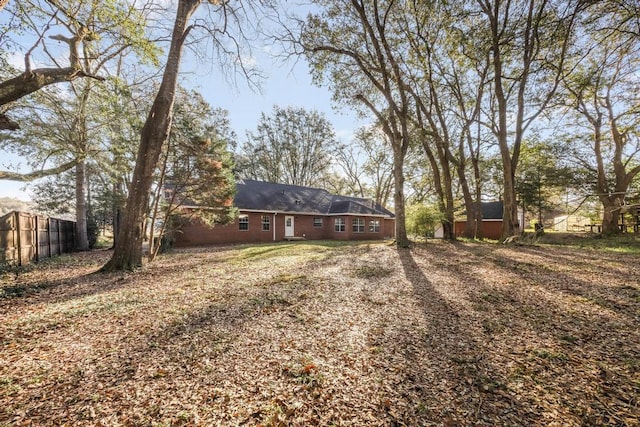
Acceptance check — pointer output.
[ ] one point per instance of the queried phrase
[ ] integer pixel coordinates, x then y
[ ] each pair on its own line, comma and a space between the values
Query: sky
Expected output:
284, 85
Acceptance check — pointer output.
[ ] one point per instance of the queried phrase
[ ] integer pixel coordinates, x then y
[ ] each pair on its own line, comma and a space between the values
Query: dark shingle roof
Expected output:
492, 210
268, 196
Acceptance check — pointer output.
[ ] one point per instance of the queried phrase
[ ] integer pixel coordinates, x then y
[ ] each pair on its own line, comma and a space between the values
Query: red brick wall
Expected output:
349, 234
389, 228
195, 233
488, 229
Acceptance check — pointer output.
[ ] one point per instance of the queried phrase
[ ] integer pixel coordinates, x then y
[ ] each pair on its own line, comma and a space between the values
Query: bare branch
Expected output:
30, 176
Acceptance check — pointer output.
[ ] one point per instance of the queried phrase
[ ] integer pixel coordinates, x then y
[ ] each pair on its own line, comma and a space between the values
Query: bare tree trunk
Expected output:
398, 197
128, 249
611, 214
82, 239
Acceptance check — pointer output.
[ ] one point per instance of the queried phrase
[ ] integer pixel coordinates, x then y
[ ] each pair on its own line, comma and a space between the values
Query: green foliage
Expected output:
423, 220
199, 165
290, 146
541, 176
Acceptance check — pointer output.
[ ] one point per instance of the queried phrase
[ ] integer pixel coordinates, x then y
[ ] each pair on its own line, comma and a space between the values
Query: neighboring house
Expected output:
491, 226
273, 212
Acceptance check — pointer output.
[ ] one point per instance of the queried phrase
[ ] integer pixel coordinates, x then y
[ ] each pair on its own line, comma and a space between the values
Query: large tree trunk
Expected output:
398, 196
82, 239
470, 222
510, 224
611, 207
448, 226
127, 254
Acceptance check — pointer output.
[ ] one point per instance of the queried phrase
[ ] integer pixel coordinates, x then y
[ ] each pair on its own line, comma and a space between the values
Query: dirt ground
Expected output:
314, 333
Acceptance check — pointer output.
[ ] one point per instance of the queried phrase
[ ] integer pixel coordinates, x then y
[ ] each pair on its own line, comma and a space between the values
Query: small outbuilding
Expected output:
491, 226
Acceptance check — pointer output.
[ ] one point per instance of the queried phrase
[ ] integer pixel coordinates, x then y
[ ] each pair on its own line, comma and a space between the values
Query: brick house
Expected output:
270, 212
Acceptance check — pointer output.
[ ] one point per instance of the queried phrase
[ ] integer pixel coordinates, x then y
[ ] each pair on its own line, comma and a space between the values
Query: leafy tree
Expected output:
197, 168
366, 166
98, 33
8, 204
127, 253
81, 26
354, 46
602, 91
291, 146
527, 42
422, 220
541, 177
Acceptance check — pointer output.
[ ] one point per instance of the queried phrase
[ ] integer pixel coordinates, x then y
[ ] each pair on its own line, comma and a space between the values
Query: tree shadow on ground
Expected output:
578, 335
448, 361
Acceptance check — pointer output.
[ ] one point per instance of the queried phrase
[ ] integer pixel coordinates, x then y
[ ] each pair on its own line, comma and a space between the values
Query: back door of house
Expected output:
288, 226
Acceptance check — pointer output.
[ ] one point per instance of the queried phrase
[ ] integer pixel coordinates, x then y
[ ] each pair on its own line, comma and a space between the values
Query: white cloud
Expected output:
16, 59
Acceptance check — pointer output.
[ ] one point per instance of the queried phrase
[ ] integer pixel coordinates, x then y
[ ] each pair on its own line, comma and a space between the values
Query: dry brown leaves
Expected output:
304, 334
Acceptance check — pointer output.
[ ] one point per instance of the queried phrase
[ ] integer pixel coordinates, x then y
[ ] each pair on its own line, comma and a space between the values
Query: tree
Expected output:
75, 128
602, 91
422, 219
197, 168
34, 79
540, 177
291, 146
527, 41
377, 167
353, 45
127, 253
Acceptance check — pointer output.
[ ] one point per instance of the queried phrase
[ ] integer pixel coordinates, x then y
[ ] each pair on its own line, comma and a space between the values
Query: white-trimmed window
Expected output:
243, 222
374, 226
266, 222
357, 225
340, 225
317, 221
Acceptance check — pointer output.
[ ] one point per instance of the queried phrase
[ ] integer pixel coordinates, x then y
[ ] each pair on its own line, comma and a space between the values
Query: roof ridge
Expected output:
285, 185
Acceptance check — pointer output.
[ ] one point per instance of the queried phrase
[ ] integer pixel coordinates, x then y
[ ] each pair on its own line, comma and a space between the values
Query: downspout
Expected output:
274, 225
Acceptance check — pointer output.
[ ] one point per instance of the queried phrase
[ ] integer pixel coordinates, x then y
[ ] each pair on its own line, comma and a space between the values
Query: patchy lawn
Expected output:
325, 334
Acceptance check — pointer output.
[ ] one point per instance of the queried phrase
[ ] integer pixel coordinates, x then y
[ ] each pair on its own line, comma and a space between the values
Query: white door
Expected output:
288, 226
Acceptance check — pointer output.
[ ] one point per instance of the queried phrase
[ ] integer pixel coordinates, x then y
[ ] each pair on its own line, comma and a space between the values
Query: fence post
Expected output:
18, 239
37, 238
49, 235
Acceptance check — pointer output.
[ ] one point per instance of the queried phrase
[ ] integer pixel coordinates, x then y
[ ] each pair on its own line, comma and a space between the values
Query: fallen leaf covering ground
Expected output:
315, 333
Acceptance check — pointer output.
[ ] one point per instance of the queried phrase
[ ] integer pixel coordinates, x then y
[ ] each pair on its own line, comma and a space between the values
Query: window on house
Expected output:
266, 222
340, 224
317, 221
374, 226
243, 222
358, 225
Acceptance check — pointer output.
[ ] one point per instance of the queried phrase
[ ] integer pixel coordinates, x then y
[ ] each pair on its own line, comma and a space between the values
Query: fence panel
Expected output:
44, 243
26, 237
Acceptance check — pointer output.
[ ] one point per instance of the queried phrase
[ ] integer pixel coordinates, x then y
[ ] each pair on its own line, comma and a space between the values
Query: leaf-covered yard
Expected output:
324, 334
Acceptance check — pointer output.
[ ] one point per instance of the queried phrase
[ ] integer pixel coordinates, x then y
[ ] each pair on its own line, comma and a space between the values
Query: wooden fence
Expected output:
25, 237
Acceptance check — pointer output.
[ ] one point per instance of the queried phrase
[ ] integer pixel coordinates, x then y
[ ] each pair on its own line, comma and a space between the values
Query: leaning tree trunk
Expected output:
127, 254
82, 239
